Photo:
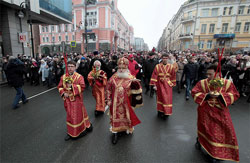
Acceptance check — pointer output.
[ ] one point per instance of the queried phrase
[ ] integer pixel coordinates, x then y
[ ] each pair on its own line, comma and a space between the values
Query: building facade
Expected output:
209, 24
18, 17
107, 30
140, 45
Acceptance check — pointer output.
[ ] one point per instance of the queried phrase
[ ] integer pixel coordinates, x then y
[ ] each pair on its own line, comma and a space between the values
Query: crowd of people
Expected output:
117, 79
190, 68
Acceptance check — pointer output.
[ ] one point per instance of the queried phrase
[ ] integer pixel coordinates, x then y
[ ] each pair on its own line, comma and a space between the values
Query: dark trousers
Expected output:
19, 95
189, 84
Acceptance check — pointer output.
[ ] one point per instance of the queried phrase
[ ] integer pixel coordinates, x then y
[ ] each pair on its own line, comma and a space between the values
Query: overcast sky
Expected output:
149, 17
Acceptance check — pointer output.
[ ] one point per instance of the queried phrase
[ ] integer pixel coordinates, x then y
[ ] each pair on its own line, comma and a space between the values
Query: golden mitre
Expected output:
123, 63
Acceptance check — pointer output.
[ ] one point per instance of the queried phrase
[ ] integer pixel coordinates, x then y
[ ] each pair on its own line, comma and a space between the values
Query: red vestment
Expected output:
133, 68
215, 128
119, 92
98, 88
164, 78
77, 117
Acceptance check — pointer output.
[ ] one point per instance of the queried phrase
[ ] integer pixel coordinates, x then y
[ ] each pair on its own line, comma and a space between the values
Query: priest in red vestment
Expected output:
215, 128
98, 80
124, 93
164, 79
71, 88
133, 65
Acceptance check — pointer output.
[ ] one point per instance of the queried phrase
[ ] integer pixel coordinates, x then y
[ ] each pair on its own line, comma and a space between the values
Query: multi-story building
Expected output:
16, 35
107, 29
140, 45
209, 24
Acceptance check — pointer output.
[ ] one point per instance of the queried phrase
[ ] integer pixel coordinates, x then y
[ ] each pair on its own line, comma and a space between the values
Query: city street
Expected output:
35, 132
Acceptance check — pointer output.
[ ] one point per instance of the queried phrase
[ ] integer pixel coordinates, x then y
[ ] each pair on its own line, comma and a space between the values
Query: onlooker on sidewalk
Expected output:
15, 71
44, 69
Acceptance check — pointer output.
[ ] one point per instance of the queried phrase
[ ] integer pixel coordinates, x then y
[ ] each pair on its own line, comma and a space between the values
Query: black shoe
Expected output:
114, 138
197, 144
96, 113
179, 91
187, 98
122, 133
159, 114
67, 137
90, 128
213, 160
83, 134
25, 102
16, 107
163, 116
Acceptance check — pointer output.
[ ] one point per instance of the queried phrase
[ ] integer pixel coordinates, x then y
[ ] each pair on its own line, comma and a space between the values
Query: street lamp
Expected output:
21, 15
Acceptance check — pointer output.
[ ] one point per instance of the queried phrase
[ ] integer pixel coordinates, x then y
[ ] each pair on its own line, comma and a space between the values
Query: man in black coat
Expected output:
191, 73
15, 71
83, 69
148, 68
97, 57
112, 66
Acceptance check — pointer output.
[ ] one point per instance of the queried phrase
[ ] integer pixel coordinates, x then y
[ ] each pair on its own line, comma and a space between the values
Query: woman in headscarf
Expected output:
44, 69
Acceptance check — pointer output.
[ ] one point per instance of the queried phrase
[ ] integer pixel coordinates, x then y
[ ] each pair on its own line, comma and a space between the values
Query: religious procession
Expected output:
121, 93
125, 81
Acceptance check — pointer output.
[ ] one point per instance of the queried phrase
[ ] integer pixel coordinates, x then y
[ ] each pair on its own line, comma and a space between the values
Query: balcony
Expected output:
188, 19
186, 36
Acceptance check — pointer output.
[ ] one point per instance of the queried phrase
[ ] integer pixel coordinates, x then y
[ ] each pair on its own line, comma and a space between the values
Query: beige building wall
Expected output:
197, 24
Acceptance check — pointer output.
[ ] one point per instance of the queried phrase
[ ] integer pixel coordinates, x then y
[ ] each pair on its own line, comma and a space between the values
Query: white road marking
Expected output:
39, 94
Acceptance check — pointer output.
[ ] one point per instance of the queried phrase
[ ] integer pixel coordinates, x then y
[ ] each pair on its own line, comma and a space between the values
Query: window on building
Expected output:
59, 28
201, 44
95, 13
205, 12
60, 48
224, 27
47, 39
52, 28
209, 44
54, 48
66, 27
241, 10
53, 39
246, 27
66, 38
94, 22
43, 29
73, 37
47, 29
43, 39
87, 13
91, 13
190, 15
230, 10
188, 29
203, 28
248, 11
237, 27
59, 38
211, 28
90, 22
215, 12
225, 11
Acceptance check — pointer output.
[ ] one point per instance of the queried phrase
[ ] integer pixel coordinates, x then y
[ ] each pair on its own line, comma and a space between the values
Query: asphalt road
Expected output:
35, 132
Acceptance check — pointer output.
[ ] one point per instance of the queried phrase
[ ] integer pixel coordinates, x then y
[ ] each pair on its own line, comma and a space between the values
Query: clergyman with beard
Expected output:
124, 93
